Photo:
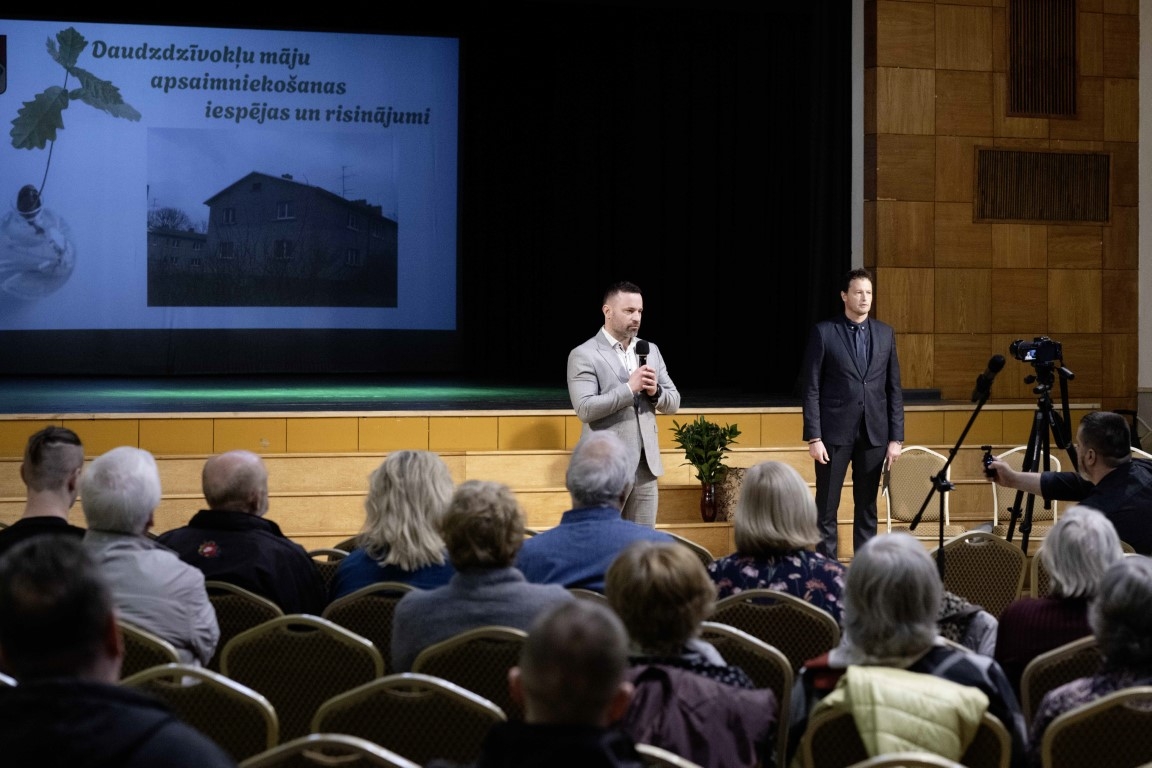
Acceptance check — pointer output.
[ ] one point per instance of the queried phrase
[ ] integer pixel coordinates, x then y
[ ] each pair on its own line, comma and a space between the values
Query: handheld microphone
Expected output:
643, 346
984, 380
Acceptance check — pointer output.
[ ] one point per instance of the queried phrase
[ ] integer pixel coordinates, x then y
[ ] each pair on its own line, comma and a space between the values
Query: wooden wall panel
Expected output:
1075, 298
781, 429
905, 34
1019, 246
256, 435
1120, 295
905, 100
100, 435
1089, 122
987, 428
1120, 353
954, 168
1075, 247
1125, 173
1121, 109
1019, 300
1120, 38
959, 241
1084, 356
964, 103
905, 167
917, 360
393, 433
522, 433
905, 299
904, 234
1005, 125
533, 470
1090, 44
461, 433
963, 37
1121, 241
923, 427
963, 301
323, 435
160, 436
959, 359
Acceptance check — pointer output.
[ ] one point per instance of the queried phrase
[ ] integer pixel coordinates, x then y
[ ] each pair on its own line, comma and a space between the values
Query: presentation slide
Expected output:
182, 178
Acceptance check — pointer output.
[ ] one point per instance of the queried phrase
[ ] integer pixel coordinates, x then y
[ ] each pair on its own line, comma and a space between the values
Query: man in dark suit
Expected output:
853, 409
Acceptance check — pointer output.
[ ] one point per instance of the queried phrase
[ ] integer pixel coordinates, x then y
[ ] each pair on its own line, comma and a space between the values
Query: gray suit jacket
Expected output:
836, 392
598, 387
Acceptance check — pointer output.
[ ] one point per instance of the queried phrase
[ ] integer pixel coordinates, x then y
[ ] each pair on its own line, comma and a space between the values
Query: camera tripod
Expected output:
1047, 425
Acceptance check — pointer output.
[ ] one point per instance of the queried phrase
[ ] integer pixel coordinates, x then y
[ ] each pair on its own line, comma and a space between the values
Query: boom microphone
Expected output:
984, 380
643, 346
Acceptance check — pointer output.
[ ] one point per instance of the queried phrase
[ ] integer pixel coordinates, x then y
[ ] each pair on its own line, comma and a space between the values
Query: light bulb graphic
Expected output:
36, 251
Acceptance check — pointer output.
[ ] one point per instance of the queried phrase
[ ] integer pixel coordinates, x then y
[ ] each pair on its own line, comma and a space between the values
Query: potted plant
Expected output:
704, 444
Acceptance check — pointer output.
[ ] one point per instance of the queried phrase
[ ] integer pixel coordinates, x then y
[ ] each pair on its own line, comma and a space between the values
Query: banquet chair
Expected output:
477, 660
142, 650
1042, 519
907, 485
298, 662
237, 718
327, 559
1112, 731
418, 716
798, 629
368, 612
657, 757
984, 569
907, 760
1063, 664
767, 666
697, 549
328, 749
237, 609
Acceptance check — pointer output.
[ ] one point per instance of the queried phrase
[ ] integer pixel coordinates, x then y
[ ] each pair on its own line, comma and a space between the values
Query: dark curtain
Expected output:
701, 151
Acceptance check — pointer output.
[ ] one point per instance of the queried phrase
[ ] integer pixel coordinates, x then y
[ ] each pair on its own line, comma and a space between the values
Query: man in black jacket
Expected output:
233, 541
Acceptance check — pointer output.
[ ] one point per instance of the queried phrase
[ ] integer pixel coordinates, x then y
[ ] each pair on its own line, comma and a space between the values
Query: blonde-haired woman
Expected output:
776, 534
400, 541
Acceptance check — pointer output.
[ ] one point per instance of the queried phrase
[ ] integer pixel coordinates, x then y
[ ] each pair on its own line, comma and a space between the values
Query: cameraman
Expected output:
1109, 478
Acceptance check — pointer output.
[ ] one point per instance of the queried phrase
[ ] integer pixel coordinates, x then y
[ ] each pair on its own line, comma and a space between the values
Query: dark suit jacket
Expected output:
836, 393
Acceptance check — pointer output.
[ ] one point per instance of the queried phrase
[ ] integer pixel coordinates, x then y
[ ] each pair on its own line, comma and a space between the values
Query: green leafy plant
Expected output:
704, 444
37, 121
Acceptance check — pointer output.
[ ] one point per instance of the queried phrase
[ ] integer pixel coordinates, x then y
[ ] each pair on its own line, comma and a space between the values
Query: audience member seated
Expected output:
687, 699
53, 461
483, 530
892, 594
578, 551
153, 589
233, 541
60, 641
400, 541
967, 624
1121, 619
775, 528
1076, 553
572, 684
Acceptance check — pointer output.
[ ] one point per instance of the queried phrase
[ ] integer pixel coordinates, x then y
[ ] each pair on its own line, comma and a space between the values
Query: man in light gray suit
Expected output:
619, 383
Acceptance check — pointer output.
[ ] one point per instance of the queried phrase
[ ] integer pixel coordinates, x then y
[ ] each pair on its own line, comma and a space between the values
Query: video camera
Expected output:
1040, 351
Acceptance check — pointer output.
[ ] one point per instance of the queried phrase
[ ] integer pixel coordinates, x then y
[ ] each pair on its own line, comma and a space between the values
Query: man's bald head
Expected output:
236, 481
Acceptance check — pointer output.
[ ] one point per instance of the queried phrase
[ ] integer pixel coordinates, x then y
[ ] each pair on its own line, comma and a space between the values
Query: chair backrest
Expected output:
831, 741
234, 716
907, 760
368, 612
347, 544
699, 550
418, 716
298, 662
1079, 658
237, 609
327, 560
798, 629
142, 650
767, 666
1112, 731
589, 594
6, 680
657, 757
328, 749
1014, 457
910, 482
478, 660
984, 569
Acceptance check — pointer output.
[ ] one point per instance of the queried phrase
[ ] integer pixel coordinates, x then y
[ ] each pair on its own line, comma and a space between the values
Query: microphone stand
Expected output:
942, 485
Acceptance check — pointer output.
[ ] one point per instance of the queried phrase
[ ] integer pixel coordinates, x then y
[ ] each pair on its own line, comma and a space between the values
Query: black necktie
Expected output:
861, 347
